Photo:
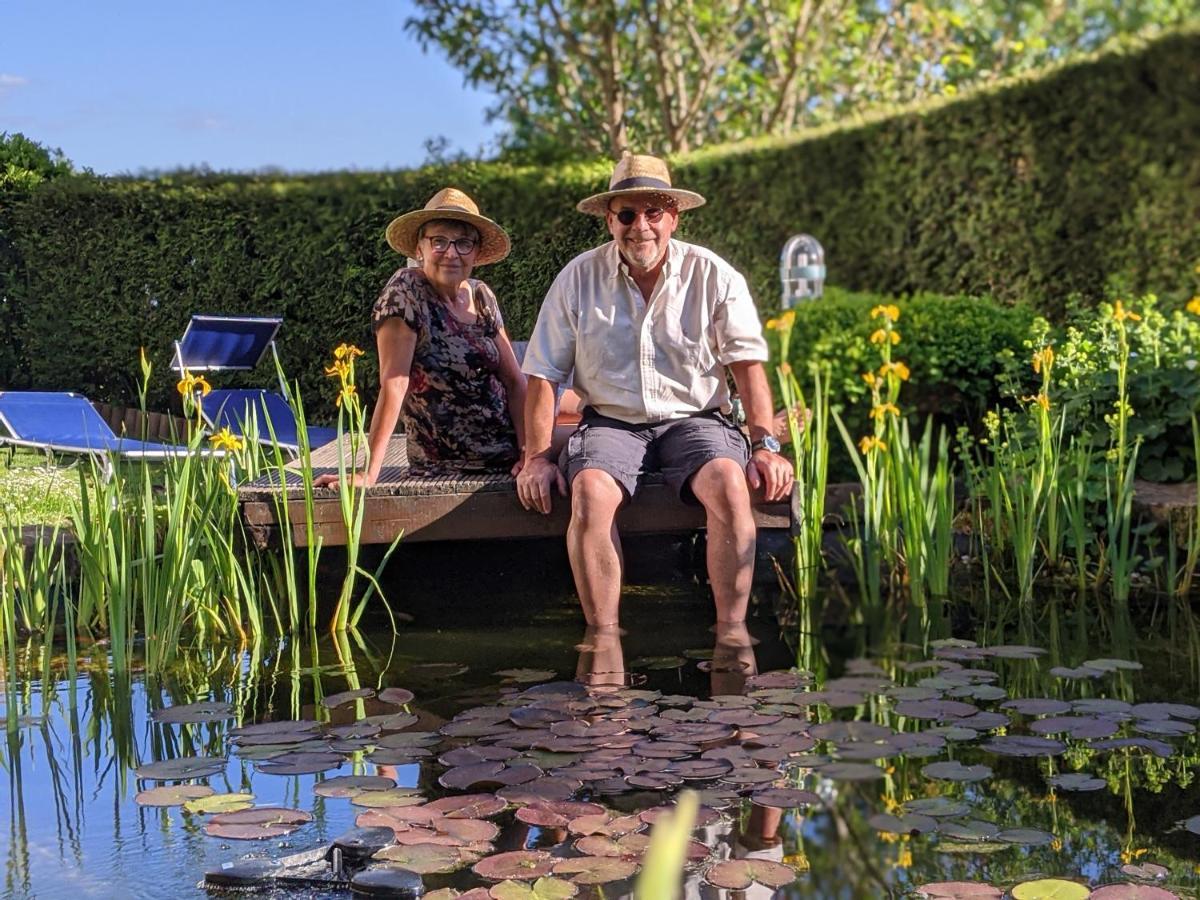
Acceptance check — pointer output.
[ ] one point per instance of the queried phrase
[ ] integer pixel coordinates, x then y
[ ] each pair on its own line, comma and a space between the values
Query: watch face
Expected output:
770, 442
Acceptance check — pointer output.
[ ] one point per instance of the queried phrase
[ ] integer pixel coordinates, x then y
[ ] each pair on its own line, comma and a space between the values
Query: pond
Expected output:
1070, 753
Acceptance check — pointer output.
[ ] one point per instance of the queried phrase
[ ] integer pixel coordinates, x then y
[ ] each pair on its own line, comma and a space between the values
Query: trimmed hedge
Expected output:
1036, 190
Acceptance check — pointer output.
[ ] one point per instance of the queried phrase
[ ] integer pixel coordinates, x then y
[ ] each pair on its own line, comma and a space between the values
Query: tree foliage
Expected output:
24, 163
581, 78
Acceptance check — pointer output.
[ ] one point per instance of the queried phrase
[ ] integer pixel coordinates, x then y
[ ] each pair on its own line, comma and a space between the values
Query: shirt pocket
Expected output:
689, 336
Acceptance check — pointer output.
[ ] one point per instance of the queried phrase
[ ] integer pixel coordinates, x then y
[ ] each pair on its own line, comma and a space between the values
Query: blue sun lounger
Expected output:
63, 422
238, 344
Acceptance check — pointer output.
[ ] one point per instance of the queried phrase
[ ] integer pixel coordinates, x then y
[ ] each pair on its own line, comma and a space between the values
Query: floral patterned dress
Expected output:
455, 412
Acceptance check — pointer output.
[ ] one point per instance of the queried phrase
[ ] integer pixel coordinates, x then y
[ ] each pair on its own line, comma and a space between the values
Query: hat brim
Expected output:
597, 204
494, 243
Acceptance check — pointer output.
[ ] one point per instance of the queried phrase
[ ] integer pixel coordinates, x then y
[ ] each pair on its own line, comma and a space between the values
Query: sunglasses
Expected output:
629, 216
441, 245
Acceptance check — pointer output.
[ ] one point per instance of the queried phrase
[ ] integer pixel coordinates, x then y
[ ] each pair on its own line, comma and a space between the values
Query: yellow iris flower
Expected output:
1120, 313
890, 312
878, 412
190, 383
899, 369
1044, 357
226, 440
869, 443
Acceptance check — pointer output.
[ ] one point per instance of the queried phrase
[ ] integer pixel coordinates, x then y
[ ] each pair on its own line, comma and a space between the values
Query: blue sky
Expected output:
129, 85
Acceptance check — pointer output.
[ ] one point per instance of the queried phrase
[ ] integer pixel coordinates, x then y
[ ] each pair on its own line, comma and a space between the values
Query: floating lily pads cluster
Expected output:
591, 769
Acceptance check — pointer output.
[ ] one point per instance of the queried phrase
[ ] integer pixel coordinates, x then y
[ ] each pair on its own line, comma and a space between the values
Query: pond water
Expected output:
889, 768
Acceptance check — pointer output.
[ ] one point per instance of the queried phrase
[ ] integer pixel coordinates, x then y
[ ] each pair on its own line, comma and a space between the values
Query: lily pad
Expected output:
785, 798
739, 874
333, 701
595, 869
1112, 665
850, 771
1031, 837
1132, 892
258, 823
542, 889
219, 803
194, 713
959, 890
557, 815
350, 785
469, 806
173, 795
526, 676
1050, 889
1023, 745
519, 865
427, 859
938, 807
396, 696
952, 770
1145, 871
1076, 781
301, 764
1037, 706
181, 769
913, 823
396, 796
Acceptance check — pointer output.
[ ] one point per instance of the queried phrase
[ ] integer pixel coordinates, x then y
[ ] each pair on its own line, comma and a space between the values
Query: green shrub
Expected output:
1041, 188
956, 349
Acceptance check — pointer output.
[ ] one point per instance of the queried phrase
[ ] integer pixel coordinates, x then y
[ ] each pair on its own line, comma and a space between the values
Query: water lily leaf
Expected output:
173, 795
970, 830
606, 824
427, 859
739, 874
1050, 889
1025, 836
959, 890
542, 889
595, 869
938, 807
1145, 871
193, 713
439, 671
351, 785
980, 847
912, 823
1077, 781
1112, 665
1076, 673
520, 865
1166, 711
465, 777
469, 806
1037, 706
396, 696
1024, 746
271, 730
1132, 892
1158, 748
258, 823
219, 803
785, 798
181, 769
952, 770
850, 771
396, 796
301, 764
333, 701
557, 815
526, 676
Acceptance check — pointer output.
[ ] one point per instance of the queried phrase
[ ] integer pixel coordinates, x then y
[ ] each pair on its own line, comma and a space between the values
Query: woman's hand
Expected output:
357, 479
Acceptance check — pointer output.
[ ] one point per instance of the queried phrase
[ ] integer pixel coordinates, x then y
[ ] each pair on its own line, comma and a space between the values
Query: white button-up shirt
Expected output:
646, 361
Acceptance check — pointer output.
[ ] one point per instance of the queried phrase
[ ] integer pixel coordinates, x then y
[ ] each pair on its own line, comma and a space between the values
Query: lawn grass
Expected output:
35, 489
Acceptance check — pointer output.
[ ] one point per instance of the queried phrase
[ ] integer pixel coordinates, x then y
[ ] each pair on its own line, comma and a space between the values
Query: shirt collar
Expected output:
617, 267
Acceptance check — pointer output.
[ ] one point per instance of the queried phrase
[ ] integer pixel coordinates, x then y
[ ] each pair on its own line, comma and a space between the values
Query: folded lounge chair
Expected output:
63, 422
238, 344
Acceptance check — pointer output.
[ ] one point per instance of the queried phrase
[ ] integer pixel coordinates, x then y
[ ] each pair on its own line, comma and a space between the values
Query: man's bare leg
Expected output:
594, 545
720, 485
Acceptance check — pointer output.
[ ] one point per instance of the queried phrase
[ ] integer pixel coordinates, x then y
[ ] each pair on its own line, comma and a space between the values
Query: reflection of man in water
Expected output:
602, 665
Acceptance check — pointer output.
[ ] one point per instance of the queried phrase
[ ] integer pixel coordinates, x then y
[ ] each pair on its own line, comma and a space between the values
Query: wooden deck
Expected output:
463, 508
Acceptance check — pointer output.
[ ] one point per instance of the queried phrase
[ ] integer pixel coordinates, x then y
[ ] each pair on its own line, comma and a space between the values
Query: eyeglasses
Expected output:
629, 216
463, 245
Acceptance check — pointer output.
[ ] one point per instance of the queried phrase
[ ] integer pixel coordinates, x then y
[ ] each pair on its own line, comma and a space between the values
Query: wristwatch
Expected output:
767, 442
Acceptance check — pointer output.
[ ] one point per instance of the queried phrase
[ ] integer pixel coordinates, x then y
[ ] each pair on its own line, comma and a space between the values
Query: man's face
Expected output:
652, 221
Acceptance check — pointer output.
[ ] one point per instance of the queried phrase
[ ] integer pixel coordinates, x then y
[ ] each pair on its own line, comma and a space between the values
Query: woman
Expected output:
446, 365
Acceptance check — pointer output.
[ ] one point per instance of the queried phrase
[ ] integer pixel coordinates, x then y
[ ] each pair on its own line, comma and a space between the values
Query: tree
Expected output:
24, 163
580, 78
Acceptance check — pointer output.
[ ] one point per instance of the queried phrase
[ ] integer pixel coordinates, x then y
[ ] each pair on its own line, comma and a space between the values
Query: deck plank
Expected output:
471, 506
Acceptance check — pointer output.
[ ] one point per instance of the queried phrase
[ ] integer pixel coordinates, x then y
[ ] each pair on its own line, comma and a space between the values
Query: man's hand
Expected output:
773, 471
534, 481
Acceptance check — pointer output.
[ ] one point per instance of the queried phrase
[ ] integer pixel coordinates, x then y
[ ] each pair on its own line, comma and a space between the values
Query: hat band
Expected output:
641, 181
452, 207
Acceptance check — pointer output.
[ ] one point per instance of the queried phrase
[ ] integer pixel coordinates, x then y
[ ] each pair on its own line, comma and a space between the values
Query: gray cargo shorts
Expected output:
677, 448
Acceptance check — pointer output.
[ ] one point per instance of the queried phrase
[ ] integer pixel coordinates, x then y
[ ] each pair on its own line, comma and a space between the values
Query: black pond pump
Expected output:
344, 864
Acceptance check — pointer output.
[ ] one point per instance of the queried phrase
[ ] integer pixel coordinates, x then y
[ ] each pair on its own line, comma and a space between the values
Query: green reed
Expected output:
1121, 463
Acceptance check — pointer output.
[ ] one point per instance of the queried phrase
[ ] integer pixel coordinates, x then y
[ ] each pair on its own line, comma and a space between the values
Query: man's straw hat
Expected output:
449, 203
639, 175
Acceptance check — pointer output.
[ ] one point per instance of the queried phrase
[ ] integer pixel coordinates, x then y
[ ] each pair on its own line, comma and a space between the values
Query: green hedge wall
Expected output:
1033, 191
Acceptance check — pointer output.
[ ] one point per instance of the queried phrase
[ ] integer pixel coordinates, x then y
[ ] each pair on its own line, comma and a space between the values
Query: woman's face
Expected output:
442, 261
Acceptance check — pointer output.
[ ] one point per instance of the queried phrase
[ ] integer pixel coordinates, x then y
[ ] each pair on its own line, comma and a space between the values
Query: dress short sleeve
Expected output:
489, 306
402, 297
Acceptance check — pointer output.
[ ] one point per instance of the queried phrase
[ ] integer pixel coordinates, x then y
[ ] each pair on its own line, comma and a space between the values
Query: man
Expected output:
649, 325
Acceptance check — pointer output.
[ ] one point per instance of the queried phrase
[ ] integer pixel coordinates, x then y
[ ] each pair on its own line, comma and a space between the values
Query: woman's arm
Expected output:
514, 383
395, 342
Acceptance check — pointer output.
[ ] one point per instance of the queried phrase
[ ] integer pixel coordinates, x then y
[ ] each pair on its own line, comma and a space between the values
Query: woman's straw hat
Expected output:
639, 175
449, 203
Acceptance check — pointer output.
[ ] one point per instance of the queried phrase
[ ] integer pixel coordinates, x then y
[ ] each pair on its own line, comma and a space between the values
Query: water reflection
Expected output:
866, 815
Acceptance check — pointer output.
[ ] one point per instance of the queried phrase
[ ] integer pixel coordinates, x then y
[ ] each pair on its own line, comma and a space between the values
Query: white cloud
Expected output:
8, 82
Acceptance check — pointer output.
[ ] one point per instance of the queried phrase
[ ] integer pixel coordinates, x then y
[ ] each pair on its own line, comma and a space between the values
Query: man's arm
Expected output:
765, 468
539, 471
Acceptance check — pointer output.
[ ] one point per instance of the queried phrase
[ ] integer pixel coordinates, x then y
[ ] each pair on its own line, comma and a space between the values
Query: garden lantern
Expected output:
801, 269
